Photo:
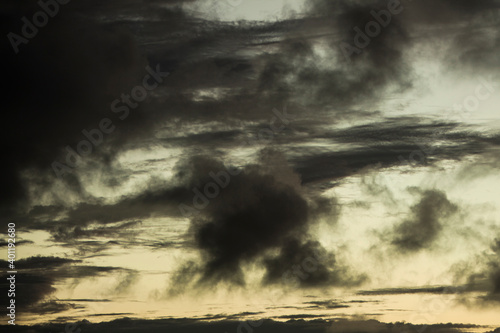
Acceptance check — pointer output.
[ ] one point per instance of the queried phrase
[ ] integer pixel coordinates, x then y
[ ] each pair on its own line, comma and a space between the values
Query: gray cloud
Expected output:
418, 290
425, 221
36, 283
261, 210
255, 213
211, 58
307, 264
493, 273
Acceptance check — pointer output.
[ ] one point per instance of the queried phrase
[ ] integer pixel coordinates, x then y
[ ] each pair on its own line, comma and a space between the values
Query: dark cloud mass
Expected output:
254, 213
305, 264
59, 84
39, 276
71, 88
425, 221
494, 274
259, 210
483, 275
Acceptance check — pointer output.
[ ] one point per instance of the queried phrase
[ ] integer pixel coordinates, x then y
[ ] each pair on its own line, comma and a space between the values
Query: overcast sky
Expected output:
229, 161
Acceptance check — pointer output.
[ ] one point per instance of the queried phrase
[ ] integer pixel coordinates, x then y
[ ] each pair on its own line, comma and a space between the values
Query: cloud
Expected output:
31, 288
54, 307
481, 275
255, 213
306, 264
53, 95
257, 210
36, 283
493, 273
44, 262
261, 215
425, 222
69, 234
419, 290
331, 304
18, 242
398, 141
270, 64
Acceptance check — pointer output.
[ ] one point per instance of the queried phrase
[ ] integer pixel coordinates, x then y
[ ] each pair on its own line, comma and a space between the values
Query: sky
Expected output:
251, 166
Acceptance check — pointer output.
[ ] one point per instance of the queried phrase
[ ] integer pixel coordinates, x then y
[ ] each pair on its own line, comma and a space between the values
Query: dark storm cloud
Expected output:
255, 213
331, 304
299, 316
424, 223
65, 234
98, 50
64, 80
394, 142
20, 242
487, 280
117, 222
30, 289
457, 21
306, 264
365, 75
217, 139
43, 262
58, 84
496, 274
229, 317
420, 290
259, 209
55, 307
94, 230
470, 26
495, 279
40, 275
141, 206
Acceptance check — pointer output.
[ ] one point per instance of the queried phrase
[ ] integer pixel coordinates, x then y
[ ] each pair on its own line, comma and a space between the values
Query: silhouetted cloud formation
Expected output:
59, 84
211, 79
493, 273
39, 276
306, 264
443, 290
254, 212
425, 221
